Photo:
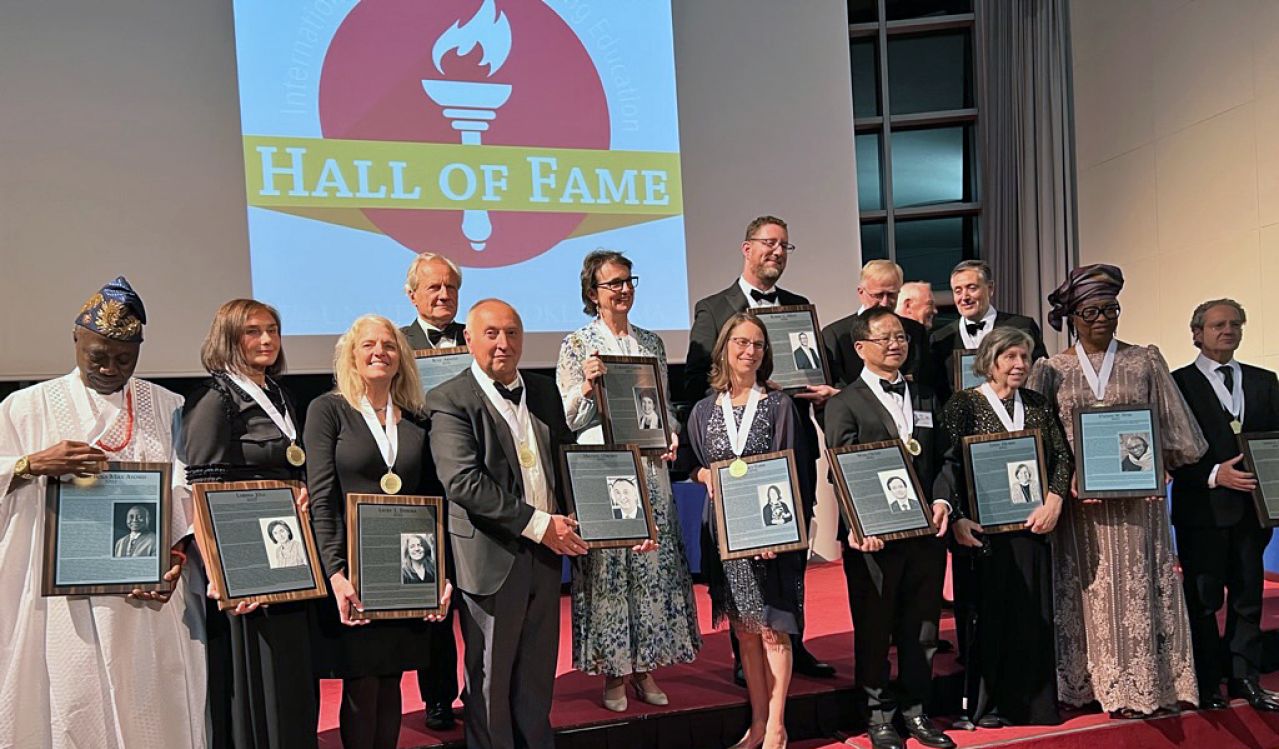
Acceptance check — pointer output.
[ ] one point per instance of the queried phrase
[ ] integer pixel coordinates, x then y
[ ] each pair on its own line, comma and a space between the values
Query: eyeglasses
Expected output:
616, 286
1090, 314
773, 243
747, 343
902, 338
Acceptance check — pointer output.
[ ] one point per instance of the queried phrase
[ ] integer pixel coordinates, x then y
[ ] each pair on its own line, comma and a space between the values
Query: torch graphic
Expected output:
470, 106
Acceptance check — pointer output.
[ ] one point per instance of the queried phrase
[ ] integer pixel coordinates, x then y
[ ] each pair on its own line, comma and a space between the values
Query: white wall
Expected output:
1177, 143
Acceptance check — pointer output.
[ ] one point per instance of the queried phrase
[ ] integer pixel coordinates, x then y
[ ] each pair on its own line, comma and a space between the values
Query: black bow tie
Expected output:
898, 387
975, 327
513, 394
760, 296
435, 336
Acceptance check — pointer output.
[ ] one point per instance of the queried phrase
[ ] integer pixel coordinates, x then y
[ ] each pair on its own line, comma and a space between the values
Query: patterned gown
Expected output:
632, 612
749, 593
1122, 632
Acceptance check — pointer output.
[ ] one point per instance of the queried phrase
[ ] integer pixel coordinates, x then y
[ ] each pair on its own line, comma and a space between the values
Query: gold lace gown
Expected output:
1122, 632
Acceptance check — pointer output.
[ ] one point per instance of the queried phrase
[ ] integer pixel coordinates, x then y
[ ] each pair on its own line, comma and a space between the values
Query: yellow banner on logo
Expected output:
298, 175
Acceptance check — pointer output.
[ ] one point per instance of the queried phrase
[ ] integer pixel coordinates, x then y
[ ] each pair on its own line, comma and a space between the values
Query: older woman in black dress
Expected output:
367, 437
1013, 656
239, 425
762, 598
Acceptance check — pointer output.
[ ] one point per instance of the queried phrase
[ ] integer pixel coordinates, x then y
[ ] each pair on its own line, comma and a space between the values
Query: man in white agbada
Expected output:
110, 671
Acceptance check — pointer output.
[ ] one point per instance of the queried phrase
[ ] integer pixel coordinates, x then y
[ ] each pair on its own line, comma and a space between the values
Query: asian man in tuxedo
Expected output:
764, 250
495, 435
1219, 538
432, 285
894, 587
878, 285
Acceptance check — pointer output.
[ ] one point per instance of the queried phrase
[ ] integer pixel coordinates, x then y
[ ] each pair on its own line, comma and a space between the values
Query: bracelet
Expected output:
176, 552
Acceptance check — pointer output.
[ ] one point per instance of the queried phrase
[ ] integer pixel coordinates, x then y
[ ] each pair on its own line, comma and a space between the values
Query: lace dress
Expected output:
750, 593
1122, 632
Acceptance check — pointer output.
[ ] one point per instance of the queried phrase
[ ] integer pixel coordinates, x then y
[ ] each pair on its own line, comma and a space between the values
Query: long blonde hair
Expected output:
406, 386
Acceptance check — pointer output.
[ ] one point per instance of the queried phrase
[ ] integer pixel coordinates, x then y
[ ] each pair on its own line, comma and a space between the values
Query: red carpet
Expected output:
706, 685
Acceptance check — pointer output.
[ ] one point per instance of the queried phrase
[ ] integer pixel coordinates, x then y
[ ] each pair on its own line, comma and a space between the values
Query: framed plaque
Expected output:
395, 554
1006, 478
962, 376
799, 358
608, 494
878, 491
258, 546
1118, 452
109, 534
1261, 458
632, 403
759, 510
437, 366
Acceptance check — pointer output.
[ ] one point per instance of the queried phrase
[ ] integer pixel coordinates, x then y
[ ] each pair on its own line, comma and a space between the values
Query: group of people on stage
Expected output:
1082, 606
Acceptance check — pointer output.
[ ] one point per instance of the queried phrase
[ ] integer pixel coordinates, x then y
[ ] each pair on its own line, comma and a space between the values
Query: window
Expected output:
914, 105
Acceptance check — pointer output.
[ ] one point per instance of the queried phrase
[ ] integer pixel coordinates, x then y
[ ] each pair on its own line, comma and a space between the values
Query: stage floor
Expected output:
706, 685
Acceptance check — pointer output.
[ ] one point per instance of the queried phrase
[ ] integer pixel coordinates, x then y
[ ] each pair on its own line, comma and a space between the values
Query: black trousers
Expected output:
1223, 566
895, 598
438, 683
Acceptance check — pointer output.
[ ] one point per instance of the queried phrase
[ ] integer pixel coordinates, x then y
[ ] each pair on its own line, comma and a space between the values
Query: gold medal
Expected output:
527, 458
1236, 426
295, 455
737, 468
390, 483
913, 447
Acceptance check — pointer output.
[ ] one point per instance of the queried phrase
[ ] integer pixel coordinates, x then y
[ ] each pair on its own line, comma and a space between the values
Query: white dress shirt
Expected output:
899, 407
446, 341
537, 490
975, 341
752, 302
1209, 369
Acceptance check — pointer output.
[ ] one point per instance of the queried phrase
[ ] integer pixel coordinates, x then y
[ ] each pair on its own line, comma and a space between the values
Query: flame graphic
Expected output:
487, 28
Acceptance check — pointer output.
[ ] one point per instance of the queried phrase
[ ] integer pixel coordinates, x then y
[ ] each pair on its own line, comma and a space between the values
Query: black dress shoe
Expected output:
804, 663
439, 717
884, 736
991, 720
1212, 702
922, 729
1249, 690
739, 676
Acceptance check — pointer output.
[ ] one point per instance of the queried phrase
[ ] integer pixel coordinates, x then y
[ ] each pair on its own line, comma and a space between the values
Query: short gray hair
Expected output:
914, 290
995, 344
981, 266
1197, 318
410, 281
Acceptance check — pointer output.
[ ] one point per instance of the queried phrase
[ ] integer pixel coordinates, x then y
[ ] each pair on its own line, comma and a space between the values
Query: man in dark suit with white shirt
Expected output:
805, 355
1219, 538
495, 435
894, 587
765, 249
878, 285
432, 284
973, 287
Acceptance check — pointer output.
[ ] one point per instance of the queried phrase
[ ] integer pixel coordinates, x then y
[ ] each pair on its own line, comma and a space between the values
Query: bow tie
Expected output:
435, 336
898, 387
513, 394
975, 327
760, 296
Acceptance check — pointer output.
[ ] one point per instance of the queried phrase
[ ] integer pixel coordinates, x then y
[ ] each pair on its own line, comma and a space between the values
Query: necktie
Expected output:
975, 327
760, 296
128, 552
1227, 376
512, 395
898, 387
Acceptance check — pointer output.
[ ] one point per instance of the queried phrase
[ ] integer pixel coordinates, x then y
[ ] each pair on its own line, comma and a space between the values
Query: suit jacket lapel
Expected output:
737, 301
870, 400
1253, 401
499, 427
543, 435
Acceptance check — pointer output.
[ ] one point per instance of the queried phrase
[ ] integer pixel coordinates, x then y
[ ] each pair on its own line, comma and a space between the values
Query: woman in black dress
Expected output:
367, 437
238, 426
1014, 654
762, 598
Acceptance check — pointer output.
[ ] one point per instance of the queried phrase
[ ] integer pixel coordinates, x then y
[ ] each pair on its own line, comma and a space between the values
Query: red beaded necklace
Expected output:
128, 432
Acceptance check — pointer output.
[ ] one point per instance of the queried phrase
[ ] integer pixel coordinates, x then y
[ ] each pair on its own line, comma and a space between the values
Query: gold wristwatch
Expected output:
23, 468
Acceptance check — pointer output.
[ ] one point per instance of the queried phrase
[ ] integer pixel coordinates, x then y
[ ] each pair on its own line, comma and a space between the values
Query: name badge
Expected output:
924, 419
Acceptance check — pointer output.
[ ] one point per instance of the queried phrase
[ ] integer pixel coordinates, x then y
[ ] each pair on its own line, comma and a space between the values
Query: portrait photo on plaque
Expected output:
1005, 476
393, 557
878, 492
110, 533
258, 545
1261, 458
963, 377
632, 403
758, 510
799, 359
437, 366
1118, 452
607, 491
